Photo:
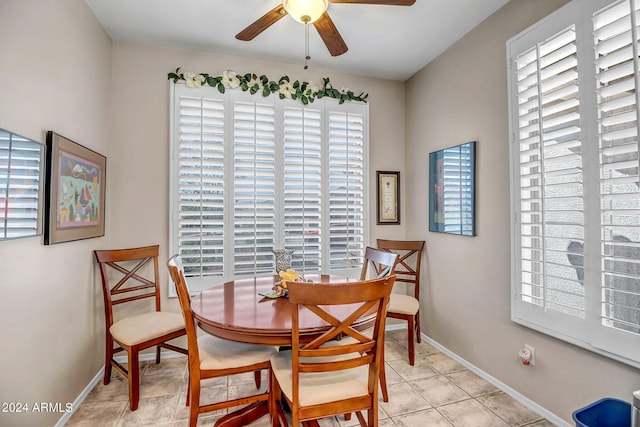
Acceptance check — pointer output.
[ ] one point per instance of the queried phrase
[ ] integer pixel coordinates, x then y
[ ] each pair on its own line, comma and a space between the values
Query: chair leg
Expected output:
108, 355
257, 376
275, 405
383, 381
411, 346
188, 390
194, 393
157, 354
418, 335
134, 378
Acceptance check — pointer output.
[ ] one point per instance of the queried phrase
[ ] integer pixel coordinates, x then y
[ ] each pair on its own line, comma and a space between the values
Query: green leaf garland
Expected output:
304, 91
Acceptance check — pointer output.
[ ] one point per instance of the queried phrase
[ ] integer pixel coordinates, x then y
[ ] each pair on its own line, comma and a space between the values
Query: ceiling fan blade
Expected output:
387, 2
330, 35
262, 23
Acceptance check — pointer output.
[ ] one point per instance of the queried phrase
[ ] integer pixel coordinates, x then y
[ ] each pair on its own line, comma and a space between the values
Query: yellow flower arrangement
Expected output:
287, 276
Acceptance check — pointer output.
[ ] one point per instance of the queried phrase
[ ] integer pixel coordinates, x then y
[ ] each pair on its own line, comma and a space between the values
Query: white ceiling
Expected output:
390, 42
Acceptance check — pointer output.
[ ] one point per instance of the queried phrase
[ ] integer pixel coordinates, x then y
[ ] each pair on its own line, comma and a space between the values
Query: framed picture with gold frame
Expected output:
75, 191
388, 197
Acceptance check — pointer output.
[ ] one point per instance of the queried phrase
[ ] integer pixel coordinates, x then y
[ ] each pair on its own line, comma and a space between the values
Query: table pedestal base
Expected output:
244, 416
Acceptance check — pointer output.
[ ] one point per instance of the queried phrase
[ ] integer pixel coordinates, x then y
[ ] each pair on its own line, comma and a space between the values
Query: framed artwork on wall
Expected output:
75, 191
452, 199
388, 197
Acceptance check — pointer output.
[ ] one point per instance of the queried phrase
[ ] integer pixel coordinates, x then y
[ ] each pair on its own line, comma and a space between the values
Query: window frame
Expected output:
588, 333
326, 107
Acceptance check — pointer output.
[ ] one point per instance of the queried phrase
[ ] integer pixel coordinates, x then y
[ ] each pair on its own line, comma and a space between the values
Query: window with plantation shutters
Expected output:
250, 174
21, 183
574, 162
616, 35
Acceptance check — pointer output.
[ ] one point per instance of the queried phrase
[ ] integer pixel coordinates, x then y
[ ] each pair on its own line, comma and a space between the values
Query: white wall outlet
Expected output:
532, 352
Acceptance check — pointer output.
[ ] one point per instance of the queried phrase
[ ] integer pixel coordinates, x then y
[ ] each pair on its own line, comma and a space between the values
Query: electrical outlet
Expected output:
532, 351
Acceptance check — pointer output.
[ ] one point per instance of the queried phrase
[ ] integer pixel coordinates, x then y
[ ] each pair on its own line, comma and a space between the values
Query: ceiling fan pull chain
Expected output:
306, 45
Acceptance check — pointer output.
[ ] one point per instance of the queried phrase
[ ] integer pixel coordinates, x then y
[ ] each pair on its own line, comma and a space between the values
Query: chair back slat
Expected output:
129, 299
382, 263
129, 274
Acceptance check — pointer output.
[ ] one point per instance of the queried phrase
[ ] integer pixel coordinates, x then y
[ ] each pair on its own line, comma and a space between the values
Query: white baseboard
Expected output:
76, 403
499, 384
166, 354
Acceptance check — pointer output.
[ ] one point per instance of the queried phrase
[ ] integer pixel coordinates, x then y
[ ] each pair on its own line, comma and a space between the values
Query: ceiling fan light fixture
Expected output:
305, 11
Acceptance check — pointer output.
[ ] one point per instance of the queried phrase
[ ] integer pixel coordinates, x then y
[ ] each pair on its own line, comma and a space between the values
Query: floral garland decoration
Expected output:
306, 92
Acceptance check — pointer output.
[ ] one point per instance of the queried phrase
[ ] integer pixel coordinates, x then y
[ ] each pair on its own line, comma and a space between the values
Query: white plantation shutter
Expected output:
575, 176
251, 174
346, 190
615, 37
550, 169
199, 169
21, 172
254, 188
303, 187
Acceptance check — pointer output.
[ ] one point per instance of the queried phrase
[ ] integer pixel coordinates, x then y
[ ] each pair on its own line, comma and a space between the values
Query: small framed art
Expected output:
388, 197
75, 191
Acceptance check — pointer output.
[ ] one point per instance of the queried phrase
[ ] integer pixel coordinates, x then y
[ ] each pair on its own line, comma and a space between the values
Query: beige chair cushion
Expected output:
317, 388
144, 327
217, 353
403, 304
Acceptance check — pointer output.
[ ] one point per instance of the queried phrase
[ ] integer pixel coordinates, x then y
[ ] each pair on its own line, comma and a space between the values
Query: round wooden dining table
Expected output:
237, 311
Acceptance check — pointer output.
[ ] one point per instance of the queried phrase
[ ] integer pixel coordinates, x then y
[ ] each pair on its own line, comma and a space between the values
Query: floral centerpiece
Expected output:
305, 92
288, 276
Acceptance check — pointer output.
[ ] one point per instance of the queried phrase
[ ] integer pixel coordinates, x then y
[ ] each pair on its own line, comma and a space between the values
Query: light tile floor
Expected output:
436, 391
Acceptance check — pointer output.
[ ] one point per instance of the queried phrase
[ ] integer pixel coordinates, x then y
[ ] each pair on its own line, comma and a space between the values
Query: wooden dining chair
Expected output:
320, 379
379, 263
402, 306
130, 275
211, 357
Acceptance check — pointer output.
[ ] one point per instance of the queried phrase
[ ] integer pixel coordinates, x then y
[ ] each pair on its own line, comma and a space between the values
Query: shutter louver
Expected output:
458, 191
303, 187
254, 188
201, 186
616, 76
346, 190
550, 171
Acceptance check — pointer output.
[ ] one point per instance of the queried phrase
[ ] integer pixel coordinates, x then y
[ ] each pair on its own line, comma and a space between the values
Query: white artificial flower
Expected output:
193, 79
230, 79
287, 89
344, 89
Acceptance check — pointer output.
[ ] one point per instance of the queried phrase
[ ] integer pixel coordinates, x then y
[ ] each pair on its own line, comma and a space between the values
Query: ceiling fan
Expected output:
311, 12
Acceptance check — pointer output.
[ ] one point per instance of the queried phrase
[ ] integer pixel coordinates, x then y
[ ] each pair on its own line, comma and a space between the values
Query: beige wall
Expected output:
459, 97
55, 74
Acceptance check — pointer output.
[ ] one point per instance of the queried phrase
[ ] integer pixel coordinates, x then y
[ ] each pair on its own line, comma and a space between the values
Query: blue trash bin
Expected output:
606, 412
